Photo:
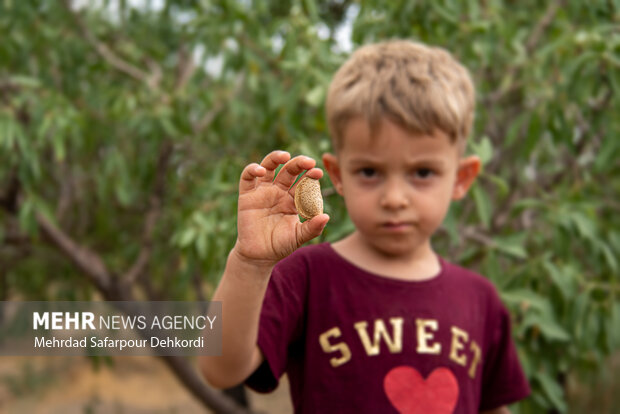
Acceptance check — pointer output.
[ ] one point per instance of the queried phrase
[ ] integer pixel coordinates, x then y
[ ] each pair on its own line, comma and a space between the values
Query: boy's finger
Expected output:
289, 172
271, 162
312, 228
315, 173
248, 177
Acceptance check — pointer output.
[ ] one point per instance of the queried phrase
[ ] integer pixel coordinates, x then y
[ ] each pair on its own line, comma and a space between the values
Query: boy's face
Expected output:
398, 186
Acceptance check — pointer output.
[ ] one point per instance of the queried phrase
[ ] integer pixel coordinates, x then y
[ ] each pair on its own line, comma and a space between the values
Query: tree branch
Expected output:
65, 199
208, 117
153, 214
543, 24
185, 69
531, 44
474, 234
150, 79
85, 259
272, 62
193, 382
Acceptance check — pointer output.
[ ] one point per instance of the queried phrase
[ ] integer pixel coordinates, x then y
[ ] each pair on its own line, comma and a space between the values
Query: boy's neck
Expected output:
421, 264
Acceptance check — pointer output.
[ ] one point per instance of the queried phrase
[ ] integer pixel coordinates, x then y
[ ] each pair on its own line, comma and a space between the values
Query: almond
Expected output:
308, 199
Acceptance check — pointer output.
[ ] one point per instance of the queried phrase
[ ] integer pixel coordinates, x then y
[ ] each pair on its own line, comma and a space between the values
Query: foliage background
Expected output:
124, 126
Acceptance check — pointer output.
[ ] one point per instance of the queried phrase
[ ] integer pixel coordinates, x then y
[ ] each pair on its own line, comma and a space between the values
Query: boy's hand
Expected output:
268, 227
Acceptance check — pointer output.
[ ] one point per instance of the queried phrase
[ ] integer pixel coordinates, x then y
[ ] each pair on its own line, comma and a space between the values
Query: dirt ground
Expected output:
67, 385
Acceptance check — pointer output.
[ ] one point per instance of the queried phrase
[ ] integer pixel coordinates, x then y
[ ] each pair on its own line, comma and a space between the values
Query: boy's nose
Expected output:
394, 196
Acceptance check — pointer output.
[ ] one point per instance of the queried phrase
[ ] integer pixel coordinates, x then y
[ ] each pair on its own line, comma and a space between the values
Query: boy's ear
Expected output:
330, 161
468, 170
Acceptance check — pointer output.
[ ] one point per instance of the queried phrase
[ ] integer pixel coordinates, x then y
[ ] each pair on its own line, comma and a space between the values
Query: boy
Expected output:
376, 322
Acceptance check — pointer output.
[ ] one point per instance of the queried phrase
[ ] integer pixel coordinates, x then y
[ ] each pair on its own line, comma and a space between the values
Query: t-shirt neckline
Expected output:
387, 279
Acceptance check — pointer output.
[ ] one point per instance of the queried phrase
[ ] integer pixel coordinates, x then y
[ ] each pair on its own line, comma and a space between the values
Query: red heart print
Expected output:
409, 393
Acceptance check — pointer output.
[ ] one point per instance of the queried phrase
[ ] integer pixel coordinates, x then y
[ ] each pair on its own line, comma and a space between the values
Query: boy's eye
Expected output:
367, 172
423, 173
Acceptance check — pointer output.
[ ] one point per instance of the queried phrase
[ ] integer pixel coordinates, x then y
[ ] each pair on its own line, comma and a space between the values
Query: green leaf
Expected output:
450, 224
562, 278
187, 237
585, 226
525, 299
483, 149
312, 9
500, 183
578, 313
6, 137
608, 254
202, 245
59, 149
549, 329
552, 390
25, 81
512, 245
614, 322
168, 126
316, 96
445, 12
483, 205
26, 217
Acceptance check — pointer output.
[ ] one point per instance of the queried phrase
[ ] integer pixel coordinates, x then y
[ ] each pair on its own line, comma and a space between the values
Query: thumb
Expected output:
312, 228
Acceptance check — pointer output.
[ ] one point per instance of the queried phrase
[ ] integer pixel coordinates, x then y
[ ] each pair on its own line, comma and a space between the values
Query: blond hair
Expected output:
419, 87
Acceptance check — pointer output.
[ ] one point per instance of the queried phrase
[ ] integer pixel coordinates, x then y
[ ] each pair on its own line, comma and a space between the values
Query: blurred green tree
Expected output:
124, 126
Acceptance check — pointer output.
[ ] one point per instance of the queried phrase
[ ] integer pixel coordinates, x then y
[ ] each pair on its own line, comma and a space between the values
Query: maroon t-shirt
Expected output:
356, 342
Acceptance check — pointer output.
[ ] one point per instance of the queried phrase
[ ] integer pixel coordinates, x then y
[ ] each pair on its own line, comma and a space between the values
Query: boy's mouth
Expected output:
396, 225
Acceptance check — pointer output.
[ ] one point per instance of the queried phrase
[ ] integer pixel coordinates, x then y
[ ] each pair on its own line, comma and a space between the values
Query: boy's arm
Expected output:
241, 291
268, 230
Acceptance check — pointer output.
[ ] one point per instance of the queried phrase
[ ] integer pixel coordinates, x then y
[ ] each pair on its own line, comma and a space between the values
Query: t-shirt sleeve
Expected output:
503, 379
281, 321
